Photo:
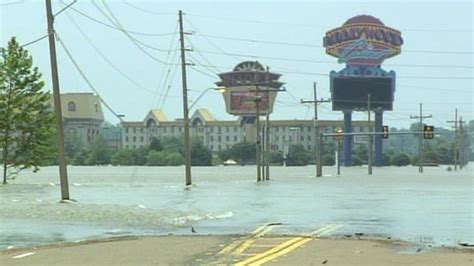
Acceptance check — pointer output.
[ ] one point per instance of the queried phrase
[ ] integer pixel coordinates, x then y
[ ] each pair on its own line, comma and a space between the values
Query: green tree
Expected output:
298, 156
26, 120
200, 155
156, 158
100, 153
155, 145
400, 159
123, 157
329, 160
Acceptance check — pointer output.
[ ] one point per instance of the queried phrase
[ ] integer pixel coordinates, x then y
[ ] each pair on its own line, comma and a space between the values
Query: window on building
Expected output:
235, 138
134, 139
211, 138
227, 129
211, 147
141, 129
71, 106
142, 139
134, 130
235, 129
126, 139
96, 107
227, 138
219, 138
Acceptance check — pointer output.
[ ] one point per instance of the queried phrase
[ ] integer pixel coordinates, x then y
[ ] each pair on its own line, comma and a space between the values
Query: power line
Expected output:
117, 28
13, 3
117, 23
320, 46
108, 61
324, 29
81, 73
146, 10
35, 40
194, 49
326, 61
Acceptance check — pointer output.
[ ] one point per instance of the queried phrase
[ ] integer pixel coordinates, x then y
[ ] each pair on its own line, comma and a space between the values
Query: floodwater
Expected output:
436, 207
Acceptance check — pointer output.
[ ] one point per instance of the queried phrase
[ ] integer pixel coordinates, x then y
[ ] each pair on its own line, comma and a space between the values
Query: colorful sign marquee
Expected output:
245, 101
363, 40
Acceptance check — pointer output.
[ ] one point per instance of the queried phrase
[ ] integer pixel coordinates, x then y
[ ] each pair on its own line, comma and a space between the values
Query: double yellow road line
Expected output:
245, 242
286, 247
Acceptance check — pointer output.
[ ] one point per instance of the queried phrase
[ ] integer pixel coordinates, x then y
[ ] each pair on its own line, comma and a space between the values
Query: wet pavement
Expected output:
435, 208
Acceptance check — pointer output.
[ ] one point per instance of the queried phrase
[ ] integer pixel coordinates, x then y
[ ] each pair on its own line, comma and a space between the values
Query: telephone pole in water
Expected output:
455, 138
420, 139
57, 104
187, 148
317, 135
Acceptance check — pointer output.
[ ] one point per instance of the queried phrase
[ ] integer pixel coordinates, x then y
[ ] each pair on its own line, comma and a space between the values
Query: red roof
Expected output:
363, 19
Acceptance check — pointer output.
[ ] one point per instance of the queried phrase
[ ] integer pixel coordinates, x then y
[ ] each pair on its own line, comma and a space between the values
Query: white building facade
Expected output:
221, 135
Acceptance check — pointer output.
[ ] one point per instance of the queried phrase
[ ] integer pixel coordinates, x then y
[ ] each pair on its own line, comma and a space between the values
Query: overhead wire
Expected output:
112, 19
84, 77
253, 21
207, 39
108, 61
321, 46
35, 40
194, 49
146, 10
117, 28
165, 75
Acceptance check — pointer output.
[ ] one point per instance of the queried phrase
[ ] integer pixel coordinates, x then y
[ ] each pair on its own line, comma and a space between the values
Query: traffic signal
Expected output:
428, 132
385, 132
339, 133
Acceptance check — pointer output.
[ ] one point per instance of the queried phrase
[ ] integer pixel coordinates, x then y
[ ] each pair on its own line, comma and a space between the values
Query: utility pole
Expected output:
370, 144
258, 146
267, 132
462, 158
317, 137
420, 139
187, 148
455, 138
57, 104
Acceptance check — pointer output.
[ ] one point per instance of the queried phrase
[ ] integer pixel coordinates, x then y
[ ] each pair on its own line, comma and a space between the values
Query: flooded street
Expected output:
435, 207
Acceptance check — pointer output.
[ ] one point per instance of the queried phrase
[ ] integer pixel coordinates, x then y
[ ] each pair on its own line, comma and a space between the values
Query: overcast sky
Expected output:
435, 67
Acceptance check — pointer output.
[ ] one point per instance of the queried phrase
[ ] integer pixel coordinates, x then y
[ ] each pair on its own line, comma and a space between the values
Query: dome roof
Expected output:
249, 66
363, 19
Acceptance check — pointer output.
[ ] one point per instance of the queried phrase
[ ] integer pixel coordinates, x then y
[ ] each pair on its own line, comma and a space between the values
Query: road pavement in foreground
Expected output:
256, 248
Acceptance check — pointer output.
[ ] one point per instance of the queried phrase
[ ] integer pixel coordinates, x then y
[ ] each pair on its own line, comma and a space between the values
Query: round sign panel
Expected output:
363, 40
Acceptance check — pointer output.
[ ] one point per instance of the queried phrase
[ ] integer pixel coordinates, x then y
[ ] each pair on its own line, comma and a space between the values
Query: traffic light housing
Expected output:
340, 134
428, 132
385, 132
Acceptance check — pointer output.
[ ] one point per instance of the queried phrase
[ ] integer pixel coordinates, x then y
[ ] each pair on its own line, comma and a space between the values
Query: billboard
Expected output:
244, 102
351, 93
363, 40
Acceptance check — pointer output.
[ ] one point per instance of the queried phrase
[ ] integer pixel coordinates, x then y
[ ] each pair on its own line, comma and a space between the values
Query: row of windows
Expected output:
227, 138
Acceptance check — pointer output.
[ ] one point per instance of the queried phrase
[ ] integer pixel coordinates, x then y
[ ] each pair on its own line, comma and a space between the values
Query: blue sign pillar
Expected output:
378, 138
347, 146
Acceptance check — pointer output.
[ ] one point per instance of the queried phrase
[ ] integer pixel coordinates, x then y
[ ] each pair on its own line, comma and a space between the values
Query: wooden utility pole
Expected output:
258, 146
57, 104
462, 154
317, 138
420, 138
267, 130
187, 148
455, 138
370, 144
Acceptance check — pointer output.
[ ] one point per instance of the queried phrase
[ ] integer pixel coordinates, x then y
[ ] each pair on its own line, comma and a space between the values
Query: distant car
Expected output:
229, 162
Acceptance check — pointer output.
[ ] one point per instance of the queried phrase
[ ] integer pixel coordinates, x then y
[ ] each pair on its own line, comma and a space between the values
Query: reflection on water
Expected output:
111, 201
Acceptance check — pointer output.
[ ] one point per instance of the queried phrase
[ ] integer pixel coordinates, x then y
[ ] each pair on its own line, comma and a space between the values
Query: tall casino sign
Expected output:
362, 43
